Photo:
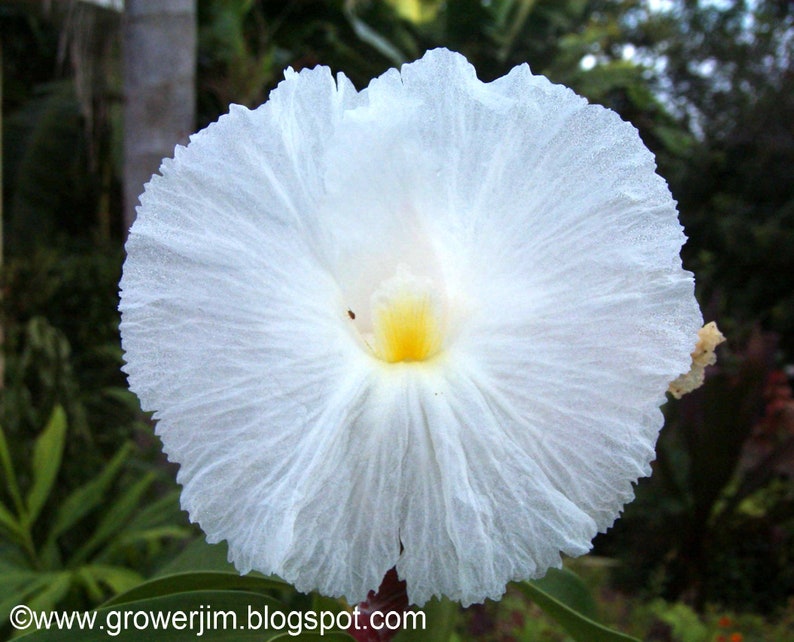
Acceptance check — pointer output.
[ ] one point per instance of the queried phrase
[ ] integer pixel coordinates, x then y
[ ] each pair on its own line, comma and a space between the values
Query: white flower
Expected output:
426, 325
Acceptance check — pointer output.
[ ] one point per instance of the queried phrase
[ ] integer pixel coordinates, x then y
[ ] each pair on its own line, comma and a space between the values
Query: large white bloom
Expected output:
426, 325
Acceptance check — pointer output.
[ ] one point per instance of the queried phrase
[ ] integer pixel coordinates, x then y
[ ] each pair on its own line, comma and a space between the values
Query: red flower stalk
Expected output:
375, 620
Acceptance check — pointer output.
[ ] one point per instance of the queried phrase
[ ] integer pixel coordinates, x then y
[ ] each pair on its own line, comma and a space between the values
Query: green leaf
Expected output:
227, 612
515, 25
123, 395
87, 497
150, 536
49, 556
56, 589
378, 42
436, 625
581, 628
15, 586
114, 519
47, 453
91, 584
198, 581
323, 603
9, 523
200, 556
13, 576
10, 475
567, 587
162, 511
19, 592
117, 578
46, 600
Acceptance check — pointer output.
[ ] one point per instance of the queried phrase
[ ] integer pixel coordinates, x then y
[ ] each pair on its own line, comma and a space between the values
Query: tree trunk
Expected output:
159, 88
2, 239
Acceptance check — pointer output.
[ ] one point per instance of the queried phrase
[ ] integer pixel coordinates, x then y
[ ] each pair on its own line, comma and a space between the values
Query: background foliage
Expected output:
708, 84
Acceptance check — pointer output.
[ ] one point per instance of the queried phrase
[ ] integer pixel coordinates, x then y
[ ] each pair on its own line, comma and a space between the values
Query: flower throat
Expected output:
406, 319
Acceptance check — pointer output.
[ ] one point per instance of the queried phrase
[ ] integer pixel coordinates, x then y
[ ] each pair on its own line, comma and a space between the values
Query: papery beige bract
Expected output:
709, 337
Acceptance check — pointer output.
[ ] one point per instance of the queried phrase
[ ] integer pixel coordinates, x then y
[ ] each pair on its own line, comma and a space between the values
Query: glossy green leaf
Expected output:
198, 581
217, 616
581, 628
567, 587
47, 453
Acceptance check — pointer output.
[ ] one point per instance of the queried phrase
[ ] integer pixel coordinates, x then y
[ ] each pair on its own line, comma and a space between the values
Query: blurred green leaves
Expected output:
561, 594
47, 454
42, 564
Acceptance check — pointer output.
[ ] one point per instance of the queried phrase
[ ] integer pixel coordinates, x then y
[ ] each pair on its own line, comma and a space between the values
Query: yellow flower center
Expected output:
406, 319
406, 329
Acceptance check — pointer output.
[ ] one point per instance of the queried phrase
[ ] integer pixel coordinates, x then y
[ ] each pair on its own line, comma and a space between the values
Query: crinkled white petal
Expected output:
556, 248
